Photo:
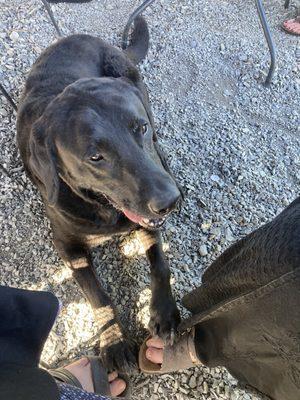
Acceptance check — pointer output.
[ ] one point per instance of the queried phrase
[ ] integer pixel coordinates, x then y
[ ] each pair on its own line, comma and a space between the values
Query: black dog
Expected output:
87, 139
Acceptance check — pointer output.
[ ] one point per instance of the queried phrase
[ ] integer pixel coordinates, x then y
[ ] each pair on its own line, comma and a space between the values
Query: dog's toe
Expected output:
121, 356
164, 321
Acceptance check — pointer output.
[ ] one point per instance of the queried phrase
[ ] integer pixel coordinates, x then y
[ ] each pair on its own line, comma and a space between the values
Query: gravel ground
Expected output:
232, 143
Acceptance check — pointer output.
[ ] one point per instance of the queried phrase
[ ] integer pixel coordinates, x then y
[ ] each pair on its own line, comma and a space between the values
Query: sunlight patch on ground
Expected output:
74, 328
143, 304
63, 274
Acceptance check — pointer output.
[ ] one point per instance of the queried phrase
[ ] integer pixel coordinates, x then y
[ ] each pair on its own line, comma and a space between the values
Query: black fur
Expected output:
84, 97
138, 48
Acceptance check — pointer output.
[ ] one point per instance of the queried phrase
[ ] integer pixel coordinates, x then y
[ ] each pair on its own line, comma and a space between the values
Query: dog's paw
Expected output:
164, 320
120, 356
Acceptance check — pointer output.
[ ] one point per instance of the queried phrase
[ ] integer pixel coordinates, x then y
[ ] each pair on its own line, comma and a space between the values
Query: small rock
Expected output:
205, 388
227, 391
176, 385
228, 235
214, 178
193, 382
184, 379
234, 396
14, 36
203, 250
183, 390
3, 112
205, 226
216, 231
215, 383
217, 179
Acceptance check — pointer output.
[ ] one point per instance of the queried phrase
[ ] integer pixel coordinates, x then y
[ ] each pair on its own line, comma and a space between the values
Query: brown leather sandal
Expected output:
182, 355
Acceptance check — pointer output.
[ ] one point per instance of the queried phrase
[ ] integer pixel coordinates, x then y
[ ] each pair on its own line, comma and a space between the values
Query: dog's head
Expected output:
99, 138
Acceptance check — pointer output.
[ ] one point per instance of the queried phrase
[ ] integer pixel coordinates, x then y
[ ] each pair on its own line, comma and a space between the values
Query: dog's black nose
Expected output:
164, 206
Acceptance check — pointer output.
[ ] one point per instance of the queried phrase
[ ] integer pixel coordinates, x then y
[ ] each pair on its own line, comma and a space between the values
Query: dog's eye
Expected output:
140, 129
144, 129
96, 157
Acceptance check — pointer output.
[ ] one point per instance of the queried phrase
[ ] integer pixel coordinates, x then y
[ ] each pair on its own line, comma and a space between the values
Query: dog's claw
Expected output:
172, 337
164, 321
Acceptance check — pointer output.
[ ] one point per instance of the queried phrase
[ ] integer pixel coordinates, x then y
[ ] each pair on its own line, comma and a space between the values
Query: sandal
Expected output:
182, 355
99, 378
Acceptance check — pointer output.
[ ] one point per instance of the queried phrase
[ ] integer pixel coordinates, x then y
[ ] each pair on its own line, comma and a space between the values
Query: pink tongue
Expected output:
133, 217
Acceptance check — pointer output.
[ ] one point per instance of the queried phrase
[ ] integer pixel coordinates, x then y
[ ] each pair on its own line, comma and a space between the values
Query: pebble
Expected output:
205, 388
228, 235
14, 36
193, 382
234, 396
216, 231
184, 379
216, 178
3, 112
203, 250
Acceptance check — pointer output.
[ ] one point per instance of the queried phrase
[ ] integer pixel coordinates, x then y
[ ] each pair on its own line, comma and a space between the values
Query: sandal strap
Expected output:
192, 347
99, 377
182, 355
65, 376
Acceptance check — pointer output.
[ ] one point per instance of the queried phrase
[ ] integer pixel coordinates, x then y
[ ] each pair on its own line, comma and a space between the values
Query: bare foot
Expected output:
292, 26
155, 351
81, 369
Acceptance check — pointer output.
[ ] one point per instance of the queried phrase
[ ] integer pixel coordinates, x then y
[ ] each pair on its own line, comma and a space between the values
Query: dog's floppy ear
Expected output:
42, 161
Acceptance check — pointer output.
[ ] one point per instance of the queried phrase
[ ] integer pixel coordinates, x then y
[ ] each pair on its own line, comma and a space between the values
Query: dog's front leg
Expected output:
118, 353
164, 314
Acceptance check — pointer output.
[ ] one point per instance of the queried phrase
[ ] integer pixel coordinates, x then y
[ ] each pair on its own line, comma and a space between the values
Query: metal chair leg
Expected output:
131, 19
8, 97
268, 36
51, 15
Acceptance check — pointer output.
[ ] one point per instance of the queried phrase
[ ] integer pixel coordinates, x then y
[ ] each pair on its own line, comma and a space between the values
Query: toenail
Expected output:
149, 353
